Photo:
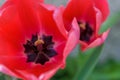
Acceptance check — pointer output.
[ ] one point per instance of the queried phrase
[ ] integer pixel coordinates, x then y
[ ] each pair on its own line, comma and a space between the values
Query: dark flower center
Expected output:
85, 31
39, 50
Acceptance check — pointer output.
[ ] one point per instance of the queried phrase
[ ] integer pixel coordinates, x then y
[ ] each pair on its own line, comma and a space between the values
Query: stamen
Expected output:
39, 50
85, 31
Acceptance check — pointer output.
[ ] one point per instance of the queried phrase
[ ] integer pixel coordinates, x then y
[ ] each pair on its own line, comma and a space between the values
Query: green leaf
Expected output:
7, 77
109, 70
87, 62
111, 21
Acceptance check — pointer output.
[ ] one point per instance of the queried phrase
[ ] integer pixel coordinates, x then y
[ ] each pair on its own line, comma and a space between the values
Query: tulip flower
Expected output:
32, 45
90, 14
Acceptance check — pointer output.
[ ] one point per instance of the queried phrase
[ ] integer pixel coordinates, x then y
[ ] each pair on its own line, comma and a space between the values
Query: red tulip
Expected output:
32, 45
90, 14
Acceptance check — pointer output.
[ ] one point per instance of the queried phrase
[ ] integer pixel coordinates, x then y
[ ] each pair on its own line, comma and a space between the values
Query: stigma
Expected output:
38, 42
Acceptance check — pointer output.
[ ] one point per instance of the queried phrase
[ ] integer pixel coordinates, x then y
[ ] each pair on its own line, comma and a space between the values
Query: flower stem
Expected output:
90, 61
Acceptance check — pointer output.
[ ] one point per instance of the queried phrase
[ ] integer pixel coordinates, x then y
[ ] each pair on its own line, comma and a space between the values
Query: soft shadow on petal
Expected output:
98, 20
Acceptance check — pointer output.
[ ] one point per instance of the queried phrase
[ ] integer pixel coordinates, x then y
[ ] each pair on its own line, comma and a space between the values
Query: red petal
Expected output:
98, 21
75, 8
94, 17
28, 16
12, 38
103, 6
89, 16
48, 75
7, 71
59, 20
72, 39
11, 49
48, 25
11, 33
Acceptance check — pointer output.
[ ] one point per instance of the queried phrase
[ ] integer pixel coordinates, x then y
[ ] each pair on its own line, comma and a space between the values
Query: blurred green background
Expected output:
108, 66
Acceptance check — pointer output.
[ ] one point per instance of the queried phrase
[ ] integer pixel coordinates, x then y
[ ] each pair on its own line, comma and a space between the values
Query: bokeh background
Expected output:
108, 66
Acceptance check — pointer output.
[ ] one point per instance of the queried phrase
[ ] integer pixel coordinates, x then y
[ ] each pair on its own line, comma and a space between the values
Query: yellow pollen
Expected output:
83, 26
39, 41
